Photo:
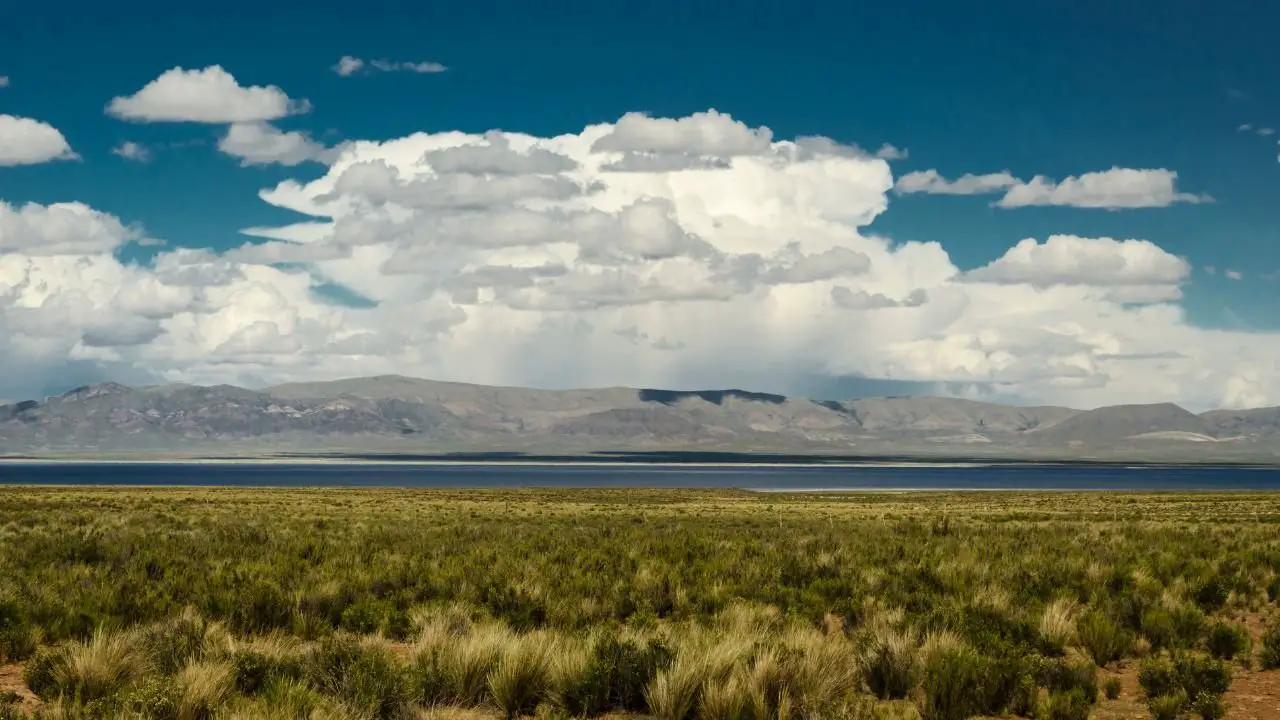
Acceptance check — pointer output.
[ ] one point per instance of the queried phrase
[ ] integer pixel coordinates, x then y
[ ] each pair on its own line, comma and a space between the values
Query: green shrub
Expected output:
171, 645
1213, 594
1227, 640
1270, 658
1063, 675
1158, 677
291, 699
1199, 674
365, 677
1111, 688
953, 680
18, 637
1101, 638
41, 672
256, 667
631, 664
891, 664
1188, 677
1189, 625
1068, 705
1209, 706
582, 685
1168, 707
1159, 628
155, 698
261, 607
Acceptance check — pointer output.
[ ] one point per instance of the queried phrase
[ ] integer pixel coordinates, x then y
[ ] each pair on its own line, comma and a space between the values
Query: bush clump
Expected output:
1101, 638
364, 676
1270, 658
1068, 705
1185, 682
891, 663
1226, 641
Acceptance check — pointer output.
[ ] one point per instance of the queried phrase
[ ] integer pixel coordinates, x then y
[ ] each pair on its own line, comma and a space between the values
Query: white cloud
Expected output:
130, 150
514, 259
210, 95
1072, 260
1266, 131
348, 66
889, 152
1233, 275
933, 183
4, 81
712, 133
423, 67
24, 141
264, 144
60, 229
1112, 189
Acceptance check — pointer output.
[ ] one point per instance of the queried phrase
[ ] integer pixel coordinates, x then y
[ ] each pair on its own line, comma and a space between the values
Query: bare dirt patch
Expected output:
1254, 695
11, 681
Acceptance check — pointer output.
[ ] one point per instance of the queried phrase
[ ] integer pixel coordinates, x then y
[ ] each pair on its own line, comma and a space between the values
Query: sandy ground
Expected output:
11, 681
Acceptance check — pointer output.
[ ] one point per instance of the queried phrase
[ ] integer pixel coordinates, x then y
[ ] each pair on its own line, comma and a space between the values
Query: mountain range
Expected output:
400, 415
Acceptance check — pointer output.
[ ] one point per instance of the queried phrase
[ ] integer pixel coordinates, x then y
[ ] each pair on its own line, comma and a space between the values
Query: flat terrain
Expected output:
219, 602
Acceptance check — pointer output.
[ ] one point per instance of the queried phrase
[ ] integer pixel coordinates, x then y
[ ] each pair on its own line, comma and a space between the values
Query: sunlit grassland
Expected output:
704, 605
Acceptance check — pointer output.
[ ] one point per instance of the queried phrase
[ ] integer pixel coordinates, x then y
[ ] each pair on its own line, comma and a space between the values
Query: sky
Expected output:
1062, 202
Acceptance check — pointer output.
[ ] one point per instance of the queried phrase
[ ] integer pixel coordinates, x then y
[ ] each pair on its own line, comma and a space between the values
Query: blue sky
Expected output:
1052, 88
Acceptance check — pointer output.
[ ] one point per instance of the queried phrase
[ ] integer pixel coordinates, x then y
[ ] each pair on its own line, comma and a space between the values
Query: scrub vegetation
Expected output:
181, 603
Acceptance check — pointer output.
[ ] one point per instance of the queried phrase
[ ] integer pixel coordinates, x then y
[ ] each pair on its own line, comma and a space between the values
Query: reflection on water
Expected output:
754, 477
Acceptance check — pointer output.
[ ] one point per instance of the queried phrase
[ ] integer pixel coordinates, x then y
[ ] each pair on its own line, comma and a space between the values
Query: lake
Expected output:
570, 475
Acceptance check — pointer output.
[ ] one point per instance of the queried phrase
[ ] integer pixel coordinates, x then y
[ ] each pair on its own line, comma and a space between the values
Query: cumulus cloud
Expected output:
258, 143
1114, 189
130, 150
60, 229
933, 183
1072, 260
4, 81
712, 134
1234, 275
348, 66
209, 95
863, 300
508, 258
24, 141
889, 152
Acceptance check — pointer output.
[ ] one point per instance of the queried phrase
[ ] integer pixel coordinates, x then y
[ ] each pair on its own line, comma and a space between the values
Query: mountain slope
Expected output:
400, 414
1121, 423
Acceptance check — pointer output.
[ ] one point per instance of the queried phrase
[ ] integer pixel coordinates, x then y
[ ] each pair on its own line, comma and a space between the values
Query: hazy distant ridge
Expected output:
393, 413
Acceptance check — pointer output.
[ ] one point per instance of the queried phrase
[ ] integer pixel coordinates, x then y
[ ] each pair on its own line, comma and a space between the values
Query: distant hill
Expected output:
398, 414
1257, 424
1119, 423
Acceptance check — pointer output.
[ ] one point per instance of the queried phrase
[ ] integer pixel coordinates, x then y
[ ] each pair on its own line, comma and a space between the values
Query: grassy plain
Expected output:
681, 605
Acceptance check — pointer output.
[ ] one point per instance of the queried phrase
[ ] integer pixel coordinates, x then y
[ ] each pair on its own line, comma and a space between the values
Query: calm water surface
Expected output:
1055, 477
